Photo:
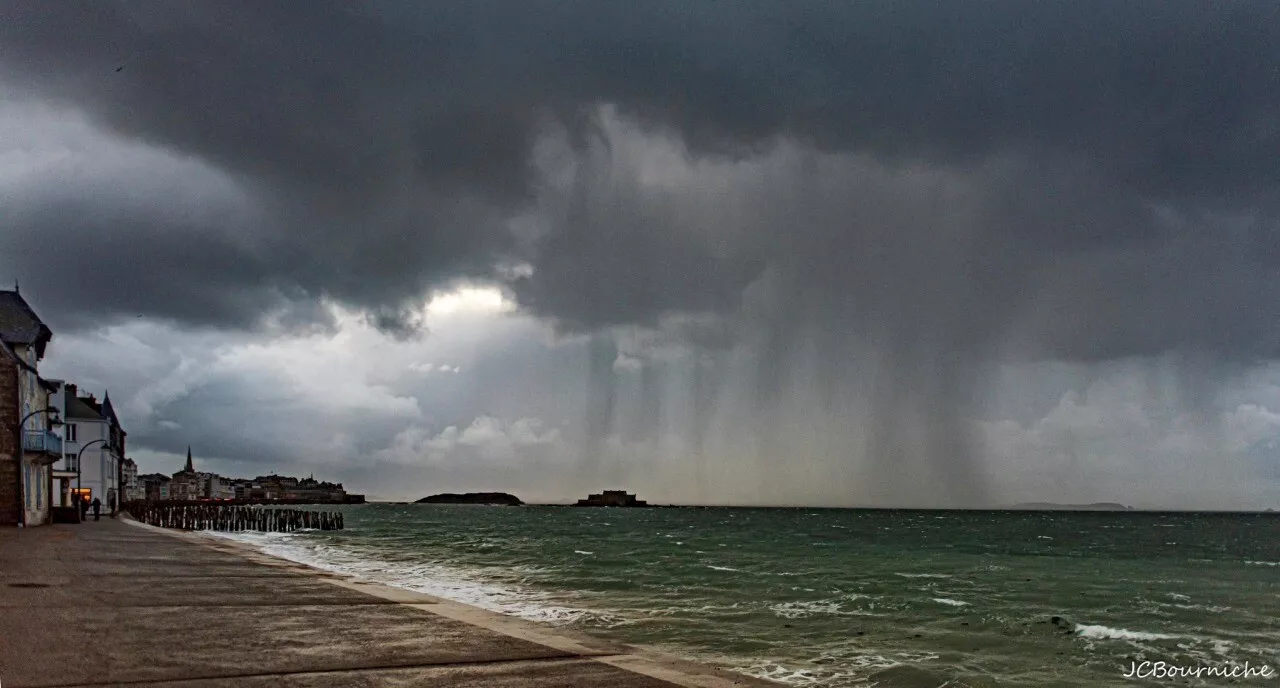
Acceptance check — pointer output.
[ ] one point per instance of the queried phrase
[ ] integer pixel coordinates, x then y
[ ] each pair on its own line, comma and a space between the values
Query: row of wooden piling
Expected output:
233, 518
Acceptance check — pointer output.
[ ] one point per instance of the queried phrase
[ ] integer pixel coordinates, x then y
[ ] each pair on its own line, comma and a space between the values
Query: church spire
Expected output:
189, 468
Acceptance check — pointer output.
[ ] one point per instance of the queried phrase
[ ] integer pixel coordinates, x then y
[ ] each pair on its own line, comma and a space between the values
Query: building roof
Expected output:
20, 325
80, 408
108, 411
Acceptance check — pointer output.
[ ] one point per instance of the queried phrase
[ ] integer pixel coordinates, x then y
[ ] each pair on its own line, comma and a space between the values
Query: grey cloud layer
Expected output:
378, 151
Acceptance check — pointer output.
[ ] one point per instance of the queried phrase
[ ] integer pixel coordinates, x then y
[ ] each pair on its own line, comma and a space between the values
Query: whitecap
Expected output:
721, 568
953, 603
1223, 647
798, 610
1099, 631
923, 575
579, 551
1211, 608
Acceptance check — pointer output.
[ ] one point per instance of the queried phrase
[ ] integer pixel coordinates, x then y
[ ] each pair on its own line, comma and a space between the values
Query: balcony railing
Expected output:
38, 441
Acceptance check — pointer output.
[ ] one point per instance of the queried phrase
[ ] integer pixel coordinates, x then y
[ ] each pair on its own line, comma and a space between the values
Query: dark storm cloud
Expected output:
854, 209
383, 144
139, 263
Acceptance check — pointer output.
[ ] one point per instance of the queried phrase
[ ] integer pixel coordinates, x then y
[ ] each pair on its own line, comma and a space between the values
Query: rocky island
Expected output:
612, 498
489, 498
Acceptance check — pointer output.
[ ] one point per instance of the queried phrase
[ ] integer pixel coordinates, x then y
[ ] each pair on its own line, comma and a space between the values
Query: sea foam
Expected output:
460, 585
1106, 632
953, 603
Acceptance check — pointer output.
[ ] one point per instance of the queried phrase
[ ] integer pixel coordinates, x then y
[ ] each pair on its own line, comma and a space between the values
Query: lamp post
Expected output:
78, 455
22, 438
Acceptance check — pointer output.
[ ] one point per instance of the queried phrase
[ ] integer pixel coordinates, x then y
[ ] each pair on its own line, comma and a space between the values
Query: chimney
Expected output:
71, 389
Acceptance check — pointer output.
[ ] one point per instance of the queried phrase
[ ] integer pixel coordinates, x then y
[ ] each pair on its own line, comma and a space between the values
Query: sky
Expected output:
842, 254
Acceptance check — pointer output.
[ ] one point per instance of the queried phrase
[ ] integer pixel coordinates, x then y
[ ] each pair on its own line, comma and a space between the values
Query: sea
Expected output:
841, 597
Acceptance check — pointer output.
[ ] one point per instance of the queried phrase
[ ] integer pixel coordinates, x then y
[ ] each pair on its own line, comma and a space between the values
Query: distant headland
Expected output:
1050, 506
490, 498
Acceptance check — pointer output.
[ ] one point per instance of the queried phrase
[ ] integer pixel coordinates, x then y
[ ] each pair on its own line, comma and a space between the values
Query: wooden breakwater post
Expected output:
233, 518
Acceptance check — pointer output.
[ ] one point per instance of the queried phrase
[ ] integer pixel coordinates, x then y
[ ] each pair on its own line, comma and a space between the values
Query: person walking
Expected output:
97, 507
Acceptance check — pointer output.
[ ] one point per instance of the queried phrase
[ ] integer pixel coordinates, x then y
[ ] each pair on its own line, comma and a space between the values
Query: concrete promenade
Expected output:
118, 603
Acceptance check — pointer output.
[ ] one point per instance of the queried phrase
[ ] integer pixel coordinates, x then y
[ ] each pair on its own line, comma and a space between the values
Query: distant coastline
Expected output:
1025, 506
1050, 506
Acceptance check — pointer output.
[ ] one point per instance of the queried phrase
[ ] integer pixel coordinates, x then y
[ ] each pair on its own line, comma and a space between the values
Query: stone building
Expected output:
314, 490
186, 483
155, 486
130, 486
28, 445
214, 486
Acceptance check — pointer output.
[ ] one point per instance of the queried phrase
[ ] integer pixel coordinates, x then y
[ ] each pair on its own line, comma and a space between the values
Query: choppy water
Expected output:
829, 597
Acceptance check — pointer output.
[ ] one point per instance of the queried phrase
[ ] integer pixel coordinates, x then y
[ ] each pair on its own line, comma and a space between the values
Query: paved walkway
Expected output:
116, 603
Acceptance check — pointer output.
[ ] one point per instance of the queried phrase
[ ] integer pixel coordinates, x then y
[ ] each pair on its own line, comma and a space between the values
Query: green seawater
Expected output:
832, 597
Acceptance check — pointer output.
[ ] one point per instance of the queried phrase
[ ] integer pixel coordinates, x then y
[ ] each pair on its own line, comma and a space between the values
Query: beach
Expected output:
116, 602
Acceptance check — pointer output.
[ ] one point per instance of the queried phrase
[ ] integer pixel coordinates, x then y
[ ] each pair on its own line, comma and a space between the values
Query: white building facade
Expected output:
87, 450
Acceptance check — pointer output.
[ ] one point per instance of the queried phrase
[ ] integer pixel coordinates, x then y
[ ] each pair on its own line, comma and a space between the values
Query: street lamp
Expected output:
78, 455
22, 438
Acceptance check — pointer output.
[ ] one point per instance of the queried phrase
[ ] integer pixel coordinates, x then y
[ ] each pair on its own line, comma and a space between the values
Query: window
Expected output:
26, 482
40, 488
72, 462
71, 432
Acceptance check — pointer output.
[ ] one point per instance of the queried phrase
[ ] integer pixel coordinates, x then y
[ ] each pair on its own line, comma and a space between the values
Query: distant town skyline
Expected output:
190, 483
